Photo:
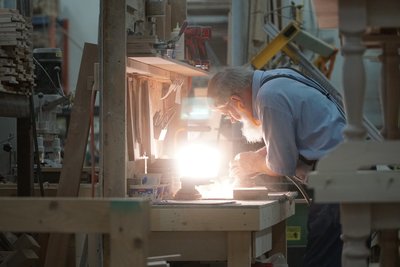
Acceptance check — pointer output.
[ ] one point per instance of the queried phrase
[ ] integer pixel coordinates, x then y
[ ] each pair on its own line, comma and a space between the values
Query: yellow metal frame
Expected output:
276, 45
292, 33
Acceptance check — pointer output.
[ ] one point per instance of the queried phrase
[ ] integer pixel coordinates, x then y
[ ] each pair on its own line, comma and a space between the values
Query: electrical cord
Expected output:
297, 182
35, 141
58, 70
8, 139
50, 79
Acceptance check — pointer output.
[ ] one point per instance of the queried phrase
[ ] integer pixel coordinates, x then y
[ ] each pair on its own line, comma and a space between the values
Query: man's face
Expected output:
229, 110
251, 130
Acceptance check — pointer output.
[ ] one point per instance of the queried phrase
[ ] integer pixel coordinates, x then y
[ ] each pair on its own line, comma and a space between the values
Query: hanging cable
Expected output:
300, 187
35, 141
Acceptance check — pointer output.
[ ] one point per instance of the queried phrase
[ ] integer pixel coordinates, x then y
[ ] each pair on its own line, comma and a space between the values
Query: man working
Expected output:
299, 125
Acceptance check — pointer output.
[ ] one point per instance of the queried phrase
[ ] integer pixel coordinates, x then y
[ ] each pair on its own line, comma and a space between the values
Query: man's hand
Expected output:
246, 165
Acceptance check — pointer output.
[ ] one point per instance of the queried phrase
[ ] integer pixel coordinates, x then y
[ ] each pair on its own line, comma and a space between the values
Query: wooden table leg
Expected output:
390, 93
356, 228
279, 244
389, 243
239, 249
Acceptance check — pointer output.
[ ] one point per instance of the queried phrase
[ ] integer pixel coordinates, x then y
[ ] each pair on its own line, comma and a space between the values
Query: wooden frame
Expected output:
369, 199
237, 232
125, 220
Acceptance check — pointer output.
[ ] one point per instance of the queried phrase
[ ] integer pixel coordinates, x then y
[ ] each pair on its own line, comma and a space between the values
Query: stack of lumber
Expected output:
141, 46
16, 59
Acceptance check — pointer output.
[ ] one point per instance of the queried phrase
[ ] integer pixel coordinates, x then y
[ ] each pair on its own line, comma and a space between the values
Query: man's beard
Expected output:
253, 133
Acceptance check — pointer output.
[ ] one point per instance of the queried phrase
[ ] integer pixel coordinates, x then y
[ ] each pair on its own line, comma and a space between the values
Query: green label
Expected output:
293, 233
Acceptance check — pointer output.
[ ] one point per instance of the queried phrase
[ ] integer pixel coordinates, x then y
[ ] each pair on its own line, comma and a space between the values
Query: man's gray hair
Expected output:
228, 82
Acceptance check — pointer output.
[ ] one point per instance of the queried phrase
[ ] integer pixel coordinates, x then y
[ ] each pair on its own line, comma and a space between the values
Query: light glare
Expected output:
198, 161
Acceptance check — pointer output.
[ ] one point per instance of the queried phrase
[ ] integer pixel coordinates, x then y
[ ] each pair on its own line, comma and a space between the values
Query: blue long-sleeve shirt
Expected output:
297, 119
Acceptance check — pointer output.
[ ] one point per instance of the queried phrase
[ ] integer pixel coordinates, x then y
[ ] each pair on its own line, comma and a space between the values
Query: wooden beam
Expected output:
114, 98
126, 220
75, 148
74, 151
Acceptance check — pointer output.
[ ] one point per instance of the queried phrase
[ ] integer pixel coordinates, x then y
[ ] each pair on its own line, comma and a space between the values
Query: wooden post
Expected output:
128, 234
114, 98
25, 157
239, 241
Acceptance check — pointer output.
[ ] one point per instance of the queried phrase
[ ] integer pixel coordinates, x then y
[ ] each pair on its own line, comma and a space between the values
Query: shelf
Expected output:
153, 65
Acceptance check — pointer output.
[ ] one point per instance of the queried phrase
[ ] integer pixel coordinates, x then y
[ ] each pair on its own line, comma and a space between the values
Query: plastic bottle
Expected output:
276, 260
40, 148
56, 150
180, 44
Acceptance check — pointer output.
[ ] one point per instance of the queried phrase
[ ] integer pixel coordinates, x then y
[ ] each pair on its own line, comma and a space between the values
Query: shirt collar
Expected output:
255, 87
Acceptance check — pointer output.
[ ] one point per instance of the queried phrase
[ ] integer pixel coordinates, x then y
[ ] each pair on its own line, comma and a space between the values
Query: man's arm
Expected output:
249, 164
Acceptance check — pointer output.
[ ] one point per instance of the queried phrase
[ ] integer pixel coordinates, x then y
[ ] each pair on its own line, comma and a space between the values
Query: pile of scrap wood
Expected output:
16, 60
18, 251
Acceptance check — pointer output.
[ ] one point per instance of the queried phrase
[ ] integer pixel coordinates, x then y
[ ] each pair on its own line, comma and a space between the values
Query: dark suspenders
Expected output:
303, 80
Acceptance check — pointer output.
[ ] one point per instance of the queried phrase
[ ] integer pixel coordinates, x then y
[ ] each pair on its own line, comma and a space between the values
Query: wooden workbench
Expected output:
236, 232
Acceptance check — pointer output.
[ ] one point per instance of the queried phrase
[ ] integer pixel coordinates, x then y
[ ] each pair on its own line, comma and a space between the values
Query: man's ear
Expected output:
238, 101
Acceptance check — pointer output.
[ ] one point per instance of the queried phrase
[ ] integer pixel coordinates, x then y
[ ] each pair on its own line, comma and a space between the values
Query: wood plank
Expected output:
130, 119
355, 154
248, 216
114, 98
74, 150
377, 186
50, 190
63, 215
171, 65
126, 220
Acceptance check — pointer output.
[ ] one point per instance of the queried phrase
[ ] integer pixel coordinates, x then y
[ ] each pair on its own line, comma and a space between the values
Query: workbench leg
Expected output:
129, 233
24, 157
389, 243
390, 93
356, 228
239, 249
279, 244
